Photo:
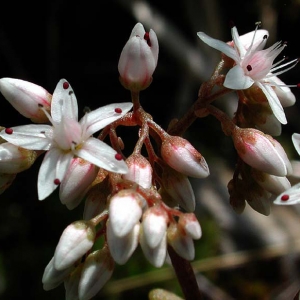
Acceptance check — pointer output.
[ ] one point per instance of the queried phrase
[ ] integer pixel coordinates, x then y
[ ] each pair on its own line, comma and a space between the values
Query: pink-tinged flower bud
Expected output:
52, 278
74, 242
14, 159
179, 188
179, 154
138, 59
181, 242
139, 170
71, 283
273, 184
261, 151
154, 225
76, 182
27, 98
190, 225
5, 181
125, 210
121, 248
155, 255
97, 270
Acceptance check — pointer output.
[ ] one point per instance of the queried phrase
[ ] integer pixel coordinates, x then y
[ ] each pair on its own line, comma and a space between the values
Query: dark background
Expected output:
45, 41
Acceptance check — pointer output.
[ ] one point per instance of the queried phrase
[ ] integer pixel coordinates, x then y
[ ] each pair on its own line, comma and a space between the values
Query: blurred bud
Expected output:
76, 182
125, 210
138, 59
179, 188
26, 98
261, 151
52, 278
139, 170
154, 225
122, 247
14, 159
237, 198
181, 242
97, 270
74, 242
160, 294
179, 154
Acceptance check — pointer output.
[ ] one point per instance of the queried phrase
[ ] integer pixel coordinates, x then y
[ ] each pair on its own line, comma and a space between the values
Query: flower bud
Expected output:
155, 255
125, 210
179, 188
76, 182
190, 225
52, 278
71, 283
154, 225
121, 248
97, 270
14, 159
26, 98
138, 59
74, 242
261, 151
179, 154
139, 170
181, 242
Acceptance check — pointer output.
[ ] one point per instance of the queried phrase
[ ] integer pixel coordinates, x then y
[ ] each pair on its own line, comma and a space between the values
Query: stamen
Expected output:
118, 156
56, 181
249, 68
66, 85
9, 130
118, 110
298, 85
265, 37
285, 197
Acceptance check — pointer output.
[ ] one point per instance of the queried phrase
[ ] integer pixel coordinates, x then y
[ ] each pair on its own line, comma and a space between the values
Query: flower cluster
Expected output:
145, 198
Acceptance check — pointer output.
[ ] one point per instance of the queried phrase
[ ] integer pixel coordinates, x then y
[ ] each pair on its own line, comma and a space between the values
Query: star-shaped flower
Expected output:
67, 137
254, 65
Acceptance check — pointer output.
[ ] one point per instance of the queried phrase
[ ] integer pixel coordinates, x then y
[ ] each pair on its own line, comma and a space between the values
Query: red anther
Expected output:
56, 181
265, 37
285, 197
9, 130
118, 156
66, 85
147, 38
118, 110
249, 68
298, 85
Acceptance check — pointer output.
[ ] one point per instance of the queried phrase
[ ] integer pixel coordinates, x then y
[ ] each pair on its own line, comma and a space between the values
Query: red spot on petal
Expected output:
9, 130
285, 197
249, 68
147, 38
118, 156
66, 85
118, 110
56, 181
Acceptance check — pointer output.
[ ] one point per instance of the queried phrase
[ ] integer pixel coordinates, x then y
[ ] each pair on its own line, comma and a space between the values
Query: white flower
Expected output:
68, 137
253, 65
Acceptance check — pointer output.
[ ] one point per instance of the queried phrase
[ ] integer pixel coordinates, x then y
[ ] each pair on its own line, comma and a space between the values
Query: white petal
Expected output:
238, 42
102, 155
296, 141
290, 196
237, 80
219, 45
99, 118
138, 29
273, 102
32, 137
54, 166
64, 102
